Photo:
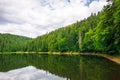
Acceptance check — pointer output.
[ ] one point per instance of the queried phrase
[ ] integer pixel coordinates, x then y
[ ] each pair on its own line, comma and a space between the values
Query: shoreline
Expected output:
109, 57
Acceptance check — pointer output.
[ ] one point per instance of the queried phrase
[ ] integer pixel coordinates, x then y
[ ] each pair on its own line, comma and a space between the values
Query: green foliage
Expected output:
117, 24
87, 44
12, 43
62, 40
105, 36
97, 33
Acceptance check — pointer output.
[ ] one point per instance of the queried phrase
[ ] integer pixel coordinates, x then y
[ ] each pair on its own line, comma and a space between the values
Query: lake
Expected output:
57, 67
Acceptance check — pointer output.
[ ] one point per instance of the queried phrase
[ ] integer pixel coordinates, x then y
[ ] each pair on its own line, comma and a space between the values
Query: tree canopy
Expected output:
97, 33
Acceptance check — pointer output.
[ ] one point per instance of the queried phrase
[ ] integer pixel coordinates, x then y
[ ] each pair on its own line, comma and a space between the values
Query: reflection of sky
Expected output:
29, 73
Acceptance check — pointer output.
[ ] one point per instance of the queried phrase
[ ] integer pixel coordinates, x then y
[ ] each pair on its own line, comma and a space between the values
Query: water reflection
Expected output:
28, 73
69, 67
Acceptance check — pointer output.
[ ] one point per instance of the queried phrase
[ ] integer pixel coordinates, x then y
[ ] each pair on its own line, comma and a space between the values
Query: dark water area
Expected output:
65, 67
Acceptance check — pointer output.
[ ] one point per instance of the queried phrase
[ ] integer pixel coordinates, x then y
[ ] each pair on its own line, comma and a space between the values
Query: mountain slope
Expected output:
12, 43
97, 33
105, 37
64, 39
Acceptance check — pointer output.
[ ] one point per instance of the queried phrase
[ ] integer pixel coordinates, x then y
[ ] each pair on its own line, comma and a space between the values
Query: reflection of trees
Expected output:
97, 68
73, 67
91, 69
63, 65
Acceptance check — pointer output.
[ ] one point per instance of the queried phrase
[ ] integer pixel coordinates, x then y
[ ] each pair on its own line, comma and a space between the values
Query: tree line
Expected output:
12, 43
97, 33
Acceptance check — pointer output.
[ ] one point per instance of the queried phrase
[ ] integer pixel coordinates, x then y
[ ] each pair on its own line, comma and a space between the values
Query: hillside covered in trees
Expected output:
98, 33
12, 43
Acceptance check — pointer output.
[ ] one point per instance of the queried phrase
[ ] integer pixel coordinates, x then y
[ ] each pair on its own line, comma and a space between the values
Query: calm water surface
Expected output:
57, 67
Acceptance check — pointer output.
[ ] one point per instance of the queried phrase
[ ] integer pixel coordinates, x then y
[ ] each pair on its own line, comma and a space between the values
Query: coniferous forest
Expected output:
98, 33
12, 43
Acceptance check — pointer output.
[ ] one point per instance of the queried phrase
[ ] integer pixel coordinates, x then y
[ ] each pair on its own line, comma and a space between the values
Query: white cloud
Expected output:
36, 17
96, 6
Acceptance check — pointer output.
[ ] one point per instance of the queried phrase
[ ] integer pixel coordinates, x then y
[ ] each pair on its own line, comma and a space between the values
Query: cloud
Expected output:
36, 17
96, 6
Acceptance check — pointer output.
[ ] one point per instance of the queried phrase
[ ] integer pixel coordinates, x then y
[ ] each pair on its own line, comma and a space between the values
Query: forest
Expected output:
12, 43
98, 33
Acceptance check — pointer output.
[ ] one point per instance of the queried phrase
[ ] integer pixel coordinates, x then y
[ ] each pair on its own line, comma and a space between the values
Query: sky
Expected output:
33, 18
